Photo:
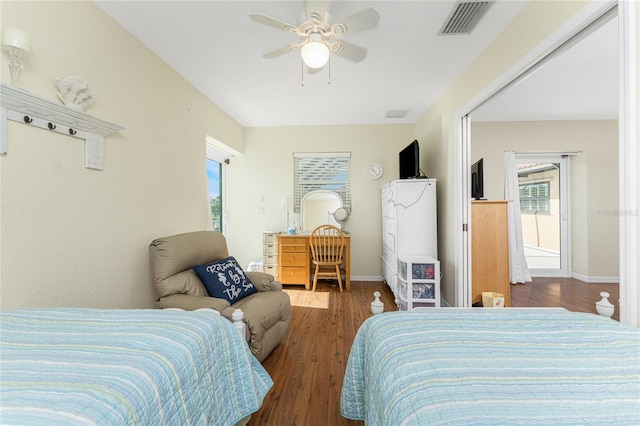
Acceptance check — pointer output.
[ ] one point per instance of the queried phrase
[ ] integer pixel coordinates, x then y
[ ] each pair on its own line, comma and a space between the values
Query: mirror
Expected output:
341, 215
317, 208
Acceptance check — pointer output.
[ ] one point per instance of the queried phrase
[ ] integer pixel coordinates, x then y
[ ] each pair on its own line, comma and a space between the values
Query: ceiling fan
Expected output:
319, 36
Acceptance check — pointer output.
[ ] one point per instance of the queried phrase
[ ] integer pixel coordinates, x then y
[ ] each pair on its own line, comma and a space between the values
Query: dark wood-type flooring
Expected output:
569, 293
307, 368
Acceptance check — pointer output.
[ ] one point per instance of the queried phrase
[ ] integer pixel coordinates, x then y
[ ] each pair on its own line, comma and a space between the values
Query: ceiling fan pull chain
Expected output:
329, 80
301, 73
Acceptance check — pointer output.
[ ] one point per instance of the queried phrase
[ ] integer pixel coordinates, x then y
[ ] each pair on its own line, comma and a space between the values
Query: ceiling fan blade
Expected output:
272, 22
360, 21
281, 51
349, 51
314, 10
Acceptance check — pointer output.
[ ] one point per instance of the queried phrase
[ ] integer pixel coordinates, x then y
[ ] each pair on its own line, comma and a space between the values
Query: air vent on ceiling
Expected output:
464, 17
397, 113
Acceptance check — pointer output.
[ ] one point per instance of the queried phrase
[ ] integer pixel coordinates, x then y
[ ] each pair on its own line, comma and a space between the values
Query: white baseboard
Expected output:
589, 279
367, 278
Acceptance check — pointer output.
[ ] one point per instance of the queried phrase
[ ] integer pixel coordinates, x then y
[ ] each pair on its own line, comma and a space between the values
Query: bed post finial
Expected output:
377, 307
604, 307
237, 316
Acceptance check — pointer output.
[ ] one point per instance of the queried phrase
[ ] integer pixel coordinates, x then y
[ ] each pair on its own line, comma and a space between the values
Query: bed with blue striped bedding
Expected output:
493, 366
68, 366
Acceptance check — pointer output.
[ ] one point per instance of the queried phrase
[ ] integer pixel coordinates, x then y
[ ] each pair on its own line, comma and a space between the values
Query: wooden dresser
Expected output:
489, 250
294, 260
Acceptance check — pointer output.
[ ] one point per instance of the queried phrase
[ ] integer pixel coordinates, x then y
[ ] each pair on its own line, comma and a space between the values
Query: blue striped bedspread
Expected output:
493, 367
68, 366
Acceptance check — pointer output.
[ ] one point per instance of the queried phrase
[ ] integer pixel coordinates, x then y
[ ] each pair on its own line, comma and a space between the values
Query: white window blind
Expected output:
322, 171
534, 198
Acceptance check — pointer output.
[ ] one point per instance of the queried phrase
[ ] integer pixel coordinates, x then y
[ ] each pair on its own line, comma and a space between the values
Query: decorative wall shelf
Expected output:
24, 107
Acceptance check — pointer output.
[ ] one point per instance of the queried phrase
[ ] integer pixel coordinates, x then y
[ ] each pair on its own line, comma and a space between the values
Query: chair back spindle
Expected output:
327, 249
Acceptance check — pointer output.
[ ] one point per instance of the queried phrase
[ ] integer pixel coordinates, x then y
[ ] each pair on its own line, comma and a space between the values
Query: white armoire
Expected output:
409, 224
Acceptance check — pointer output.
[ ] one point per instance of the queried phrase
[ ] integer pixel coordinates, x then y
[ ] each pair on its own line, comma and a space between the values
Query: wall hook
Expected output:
51, 126
72, 132
28, 119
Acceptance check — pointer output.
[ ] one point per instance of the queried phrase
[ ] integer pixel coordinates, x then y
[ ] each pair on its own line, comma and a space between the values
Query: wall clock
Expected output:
374, 171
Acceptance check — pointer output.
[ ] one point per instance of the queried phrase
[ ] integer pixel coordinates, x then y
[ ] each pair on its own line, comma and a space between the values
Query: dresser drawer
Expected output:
292, 275
389, 240
294, 241
270, 238
388, 255
270, 249
287, 248
270, 259
270, 269
293, 259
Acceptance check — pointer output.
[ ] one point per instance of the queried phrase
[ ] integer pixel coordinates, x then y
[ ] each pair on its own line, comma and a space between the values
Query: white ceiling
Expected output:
218, 49
581, 83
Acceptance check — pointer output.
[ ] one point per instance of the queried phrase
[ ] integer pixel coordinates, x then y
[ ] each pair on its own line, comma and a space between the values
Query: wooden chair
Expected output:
327, 252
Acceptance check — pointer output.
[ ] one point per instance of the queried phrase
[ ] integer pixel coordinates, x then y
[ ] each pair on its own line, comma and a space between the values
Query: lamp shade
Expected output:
315, 53
15, 38
286, 202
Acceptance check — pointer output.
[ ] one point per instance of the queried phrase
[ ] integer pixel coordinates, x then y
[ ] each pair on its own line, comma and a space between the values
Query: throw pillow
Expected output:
225, 279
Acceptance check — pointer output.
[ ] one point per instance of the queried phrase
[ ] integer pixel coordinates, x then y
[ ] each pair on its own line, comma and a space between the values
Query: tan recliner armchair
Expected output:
267, 313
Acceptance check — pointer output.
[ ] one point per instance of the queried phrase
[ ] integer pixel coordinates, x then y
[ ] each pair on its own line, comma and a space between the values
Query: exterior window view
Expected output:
540, 212
214, 182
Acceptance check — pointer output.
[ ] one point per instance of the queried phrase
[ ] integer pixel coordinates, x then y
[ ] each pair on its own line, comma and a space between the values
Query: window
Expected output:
322, 171
214, 183
217, 160
534, 198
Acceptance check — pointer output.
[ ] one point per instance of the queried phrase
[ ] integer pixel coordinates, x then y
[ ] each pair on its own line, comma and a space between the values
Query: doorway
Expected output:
626, 141
544, 209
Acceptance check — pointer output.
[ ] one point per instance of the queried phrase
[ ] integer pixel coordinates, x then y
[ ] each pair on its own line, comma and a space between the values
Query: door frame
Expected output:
627, 140
565, 210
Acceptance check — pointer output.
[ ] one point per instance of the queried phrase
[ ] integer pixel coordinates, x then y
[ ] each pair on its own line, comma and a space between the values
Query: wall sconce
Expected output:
16, 43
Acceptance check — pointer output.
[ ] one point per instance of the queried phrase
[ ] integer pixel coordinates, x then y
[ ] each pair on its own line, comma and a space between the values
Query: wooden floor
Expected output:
307, 368
568, 293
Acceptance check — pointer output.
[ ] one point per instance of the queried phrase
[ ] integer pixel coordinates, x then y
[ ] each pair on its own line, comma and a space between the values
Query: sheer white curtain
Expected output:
518, 270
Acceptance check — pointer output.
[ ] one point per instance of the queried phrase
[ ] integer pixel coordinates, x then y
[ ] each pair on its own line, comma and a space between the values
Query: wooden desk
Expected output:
294, 260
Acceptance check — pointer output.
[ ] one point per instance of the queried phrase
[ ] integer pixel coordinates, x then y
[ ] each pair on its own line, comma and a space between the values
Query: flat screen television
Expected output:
410, 161
477, 180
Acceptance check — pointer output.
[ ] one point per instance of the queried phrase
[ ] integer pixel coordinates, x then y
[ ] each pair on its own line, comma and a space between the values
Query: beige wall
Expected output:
78, 237
266, 168
594, 179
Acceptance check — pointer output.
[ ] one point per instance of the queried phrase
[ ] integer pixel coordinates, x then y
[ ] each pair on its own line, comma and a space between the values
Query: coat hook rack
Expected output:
23, 107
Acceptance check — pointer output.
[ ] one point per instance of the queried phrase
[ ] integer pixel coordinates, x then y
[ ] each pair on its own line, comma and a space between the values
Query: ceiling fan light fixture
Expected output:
315, 53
